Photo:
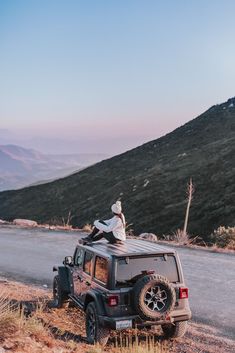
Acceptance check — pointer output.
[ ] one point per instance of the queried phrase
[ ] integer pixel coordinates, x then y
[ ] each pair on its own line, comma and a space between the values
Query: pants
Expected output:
94, 236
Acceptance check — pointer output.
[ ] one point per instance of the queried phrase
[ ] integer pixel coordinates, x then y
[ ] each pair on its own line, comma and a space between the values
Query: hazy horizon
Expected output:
85, 77
66, 143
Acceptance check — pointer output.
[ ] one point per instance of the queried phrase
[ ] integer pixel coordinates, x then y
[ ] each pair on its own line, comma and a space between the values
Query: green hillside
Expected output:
150, 180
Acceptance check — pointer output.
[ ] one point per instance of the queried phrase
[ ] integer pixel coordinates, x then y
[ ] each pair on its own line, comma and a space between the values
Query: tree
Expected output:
190, 192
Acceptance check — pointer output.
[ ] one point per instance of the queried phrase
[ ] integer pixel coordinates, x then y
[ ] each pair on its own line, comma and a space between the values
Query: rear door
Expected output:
86, 275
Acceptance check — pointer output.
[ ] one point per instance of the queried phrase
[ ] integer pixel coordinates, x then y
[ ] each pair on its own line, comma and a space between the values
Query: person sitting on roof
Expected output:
112, 229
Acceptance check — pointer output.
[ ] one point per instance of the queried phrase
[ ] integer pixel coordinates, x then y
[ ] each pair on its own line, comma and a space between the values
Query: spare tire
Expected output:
154, 297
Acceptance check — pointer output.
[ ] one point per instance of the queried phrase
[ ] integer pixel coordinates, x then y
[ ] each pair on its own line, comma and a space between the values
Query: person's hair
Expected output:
120, 215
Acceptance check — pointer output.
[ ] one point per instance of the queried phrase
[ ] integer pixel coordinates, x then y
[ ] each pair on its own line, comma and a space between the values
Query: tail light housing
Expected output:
183, 294
113, 300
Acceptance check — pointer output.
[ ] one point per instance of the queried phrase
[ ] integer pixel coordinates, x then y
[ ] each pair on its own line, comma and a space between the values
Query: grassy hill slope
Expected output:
150, 180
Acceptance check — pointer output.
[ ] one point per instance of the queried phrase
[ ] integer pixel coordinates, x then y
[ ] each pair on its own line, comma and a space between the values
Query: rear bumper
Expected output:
111, 322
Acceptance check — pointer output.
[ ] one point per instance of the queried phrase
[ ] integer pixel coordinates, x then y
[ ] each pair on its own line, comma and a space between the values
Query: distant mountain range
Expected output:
150, 180
21, 167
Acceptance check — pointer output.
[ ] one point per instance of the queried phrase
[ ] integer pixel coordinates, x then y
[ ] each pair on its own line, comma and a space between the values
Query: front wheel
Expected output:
59, 296
176, 330
95, 333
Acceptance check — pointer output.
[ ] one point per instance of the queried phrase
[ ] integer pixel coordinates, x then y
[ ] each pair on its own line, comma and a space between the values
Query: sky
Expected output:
106, 76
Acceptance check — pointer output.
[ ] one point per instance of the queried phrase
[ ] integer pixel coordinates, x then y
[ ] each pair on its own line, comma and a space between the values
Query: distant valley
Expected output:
20, 167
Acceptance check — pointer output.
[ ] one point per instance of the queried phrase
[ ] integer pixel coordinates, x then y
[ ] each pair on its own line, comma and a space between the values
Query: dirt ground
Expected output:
47, 329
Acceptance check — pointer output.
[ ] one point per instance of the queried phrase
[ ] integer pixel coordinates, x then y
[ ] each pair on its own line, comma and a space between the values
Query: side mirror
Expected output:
68, 260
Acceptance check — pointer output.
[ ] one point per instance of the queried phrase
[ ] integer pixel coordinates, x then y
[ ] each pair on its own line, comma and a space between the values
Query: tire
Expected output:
60, 297
154, 297
176, 330
95, 333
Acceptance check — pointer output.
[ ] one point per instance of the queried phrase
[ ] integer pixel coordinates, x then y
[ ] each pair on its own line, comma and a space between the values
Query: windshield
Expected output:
130, 268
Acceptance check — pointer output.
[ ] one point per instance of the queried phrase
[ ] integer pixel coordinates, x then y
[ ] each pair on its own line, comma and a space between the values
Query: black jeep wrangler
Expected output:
120, 286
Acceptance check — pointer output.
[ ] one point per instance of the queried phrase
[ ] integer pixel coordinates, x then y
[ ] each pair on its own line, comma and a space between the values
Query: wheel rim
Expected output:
91, 327
155, 298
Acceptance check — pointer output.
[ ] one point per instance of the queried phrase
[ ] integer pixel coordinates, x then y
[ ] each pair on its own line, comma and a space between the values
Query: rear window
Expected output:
101, 269
129, 268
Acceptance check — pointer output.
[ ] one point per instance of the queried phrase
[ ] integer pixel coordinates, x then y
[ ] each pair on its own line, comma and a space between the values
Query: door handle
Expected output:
80, 278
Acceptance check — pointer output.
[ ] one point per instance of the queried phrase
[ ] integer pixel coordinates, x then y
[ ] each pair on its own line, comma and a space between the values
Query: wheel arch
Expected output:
93, 297
65, 277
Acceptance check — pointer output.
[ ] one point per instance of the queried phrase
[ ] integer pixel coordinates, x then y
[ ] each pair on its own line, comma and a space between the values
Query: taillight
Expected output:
113, 300
183, 293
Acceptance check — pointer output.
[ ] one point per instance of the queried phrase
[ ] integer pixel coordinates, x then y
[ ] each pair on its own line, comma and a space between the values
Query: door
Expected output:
77, 271
82, 273
87, 274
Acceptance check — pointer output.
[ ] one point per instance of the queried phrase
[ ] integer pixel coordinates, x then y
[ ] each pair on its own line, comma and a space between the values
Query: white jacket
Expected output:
114, 225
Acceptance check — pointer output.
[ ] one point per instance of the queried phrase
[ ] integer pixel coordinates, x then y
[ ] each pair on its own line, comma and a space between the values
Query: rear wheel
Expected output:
95, 333
176, 330
60, 297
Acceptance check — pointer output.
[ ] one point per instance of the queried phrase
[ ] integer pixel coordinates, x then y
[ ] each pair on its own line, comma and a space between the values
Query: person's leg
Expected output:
90, 236
93, 233
110, 237
97, 237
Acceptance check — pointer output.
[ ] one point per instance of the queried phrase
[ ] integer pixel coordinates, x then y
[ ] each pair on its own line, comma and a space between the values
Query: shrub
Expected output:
223, 237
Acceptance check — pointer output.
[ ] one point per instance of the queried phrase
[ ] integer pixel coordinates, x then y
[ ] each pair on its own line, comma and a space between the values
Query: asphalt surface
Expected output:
28, 255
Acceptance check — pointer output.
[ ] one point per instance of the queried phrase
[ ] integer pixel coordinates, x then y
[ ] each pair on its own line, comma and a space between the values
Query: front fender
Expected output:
65, 278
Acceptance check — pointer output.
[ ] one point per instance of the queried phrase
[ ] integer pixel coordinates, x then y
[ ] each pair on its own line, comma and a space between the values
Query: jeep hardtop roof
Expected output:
130, 247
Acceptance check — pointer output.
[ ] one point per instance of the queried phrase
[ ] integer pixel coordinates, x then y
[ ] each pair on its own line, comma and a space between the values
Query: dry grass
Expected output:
63, 330
87, 228
129, 346
139, 343
13, 321
34, 327
221, 238
95, 349
9, 317
181, 237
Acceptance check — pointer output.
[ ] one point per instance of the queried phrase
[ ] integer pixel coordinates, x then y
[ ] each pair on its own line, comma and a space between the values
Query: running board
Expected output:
76, 301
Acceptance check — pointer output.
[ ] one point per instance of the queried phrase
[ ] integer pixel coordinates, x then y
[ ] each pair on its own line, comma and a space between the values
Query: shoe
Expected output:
85, 240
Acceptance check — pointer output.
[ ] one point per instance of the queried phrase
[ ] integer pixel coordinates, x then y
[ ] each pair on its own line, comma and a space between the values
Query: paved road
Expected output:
28, 255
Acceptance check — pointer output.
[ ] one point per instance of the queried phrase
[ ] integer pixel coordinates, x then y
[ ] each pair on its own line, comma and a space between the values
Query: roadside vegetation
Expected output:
222, 238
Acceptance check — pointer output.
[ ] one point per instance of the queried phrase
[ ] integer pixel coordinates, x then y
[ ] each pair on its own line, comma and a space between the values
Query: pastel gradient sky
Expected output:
106, 76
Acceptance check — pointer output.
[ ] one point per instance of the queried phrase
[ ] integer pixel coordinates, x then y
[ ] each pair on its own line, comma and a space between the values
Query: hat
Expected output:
117, 207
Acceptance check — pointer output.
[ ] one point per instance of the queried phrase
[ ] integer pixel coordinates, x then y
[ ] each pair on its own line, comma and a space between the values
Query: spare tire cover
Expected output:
154, 297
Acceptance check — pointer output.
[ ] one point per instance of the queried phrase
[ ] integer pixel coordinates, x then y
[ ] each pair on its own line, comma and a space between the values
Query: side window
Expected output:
87, 262
79, 256
101, 269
